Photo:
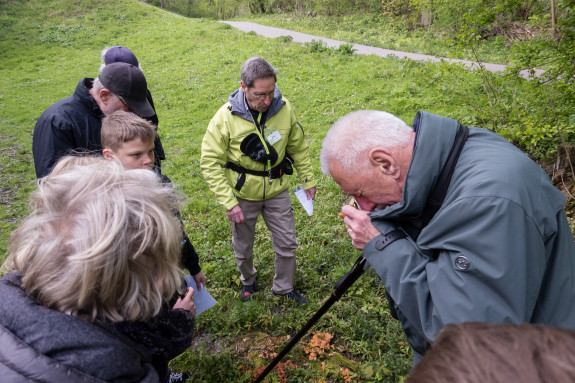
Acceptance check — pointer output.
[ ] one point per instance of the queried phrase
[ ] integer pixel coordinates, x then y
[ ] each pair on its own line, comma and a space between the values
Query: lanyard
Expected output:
257, 123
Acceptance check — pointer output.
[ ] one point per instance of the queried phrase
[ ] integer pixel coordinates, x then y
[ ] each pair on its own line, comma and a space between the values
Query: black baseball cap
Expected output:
127, 81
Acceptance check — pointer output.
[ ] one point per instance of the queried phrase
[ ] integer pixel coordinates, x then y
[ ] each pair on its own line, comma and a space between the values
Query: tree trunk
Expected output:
553, 16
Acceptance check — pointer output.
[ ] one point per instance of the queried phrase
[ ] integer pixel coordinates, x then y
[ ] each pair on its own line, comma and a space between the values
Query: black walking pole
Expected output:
339, 289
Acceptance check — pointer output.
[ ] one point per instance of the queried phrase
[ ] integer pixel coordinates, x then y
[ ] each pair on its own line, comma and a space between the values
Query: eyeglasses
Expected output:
264, 95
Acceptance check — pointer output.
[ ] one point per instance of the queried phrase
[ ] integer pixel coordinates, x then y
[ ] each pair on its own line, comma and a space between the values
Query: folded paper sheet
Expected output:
306, 203
202, 299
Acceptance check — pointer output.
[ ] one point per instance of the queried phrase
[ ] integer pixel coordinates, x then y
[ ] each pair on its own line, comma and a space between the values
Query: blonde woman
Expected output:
88, 276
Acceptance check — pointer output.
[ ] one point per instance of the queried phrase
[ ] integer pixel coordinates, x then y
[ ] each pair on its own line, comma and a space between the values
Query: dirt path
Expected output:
361, 49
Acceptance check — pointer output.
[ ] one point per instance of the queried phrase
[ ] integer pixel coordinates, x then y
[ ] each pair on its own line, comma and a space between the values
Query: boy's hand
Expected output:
200, 280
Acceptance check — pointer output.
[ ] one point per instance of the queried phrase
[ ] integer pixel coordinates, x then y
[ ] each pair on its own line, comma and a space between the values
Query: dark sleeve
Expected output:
51, 140
189, 258
166, 336
158, 148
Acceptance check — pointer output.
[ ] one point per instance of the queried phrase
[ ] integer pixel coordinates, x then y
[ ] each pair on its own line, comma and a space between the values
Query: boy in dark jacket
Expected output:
130, 140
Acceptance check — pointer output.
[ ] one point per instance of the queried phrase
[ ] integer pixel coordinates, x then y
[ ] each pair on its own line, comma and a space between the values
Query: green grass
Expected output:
192, 65
384, 32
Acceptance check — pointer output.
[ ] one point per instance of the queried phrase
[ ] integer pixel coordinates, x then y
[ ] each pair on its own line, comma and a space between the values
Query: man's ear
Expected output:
105, 95
385, 161
108, 154
244, 87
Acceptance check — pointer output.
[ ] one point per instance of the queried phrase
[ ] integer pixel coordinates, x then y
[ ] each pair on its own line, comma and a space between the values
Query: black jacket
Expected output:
41, 345
189, 258
73, 125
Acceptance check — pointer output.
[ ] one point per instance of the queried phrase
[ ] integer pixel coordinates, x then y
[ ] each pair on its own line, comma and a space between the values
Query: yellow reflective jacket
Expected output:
221, 143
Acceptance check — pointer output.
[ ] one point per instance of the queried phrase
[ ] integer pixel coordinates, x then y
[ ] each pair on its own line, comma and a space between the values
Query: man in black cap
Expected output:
73, 124
122, 54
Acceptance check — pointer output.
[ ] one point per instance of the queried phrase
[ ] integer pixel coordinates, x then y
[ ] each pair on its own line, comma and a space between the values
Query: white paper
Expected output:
302, 197
203, 300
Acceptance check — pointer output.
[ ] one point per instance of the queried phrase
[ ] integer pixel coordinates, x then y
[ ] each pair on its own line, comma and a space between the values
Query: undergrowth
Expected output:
192, 65
383, 31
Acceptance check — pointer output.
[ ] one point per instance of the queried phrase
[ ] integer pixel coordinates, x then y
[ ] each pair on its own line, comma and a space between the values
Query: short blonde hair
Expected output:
101, 243
120, 127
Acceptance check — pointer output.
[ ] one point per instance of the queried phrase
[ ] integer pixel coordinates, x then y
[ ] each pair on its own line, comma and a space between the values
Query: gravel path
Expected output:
360, 49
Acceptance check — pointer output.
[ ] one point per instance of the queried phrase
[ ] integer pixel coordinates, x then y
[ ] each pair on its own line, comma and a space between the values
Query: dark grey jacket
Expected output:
499, 250
46, 346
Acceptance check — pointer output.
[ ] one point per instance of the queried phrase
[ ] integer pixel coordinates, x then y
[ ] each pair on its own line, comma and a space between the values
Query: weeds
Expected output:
192, 65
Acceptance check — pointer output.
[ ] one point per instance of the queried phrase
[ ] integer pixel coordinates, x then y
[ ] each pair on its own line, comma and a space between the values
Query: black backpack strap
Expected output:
438, 192
284, 167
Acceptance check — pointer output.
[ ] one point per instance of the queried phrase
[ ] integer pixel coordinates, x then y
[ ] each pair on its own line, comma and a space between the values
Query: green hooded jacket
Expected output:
229, 126
499, 250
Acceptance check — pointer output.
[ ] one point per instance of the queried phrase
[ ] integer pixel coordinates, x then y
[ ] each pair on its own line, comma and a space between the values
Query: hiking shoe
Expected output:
247, 291
292, 295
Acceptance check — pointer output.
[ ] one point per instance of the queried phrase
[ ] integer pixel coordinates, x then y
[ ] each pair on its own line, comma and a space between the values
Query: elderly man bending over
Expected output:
499, 249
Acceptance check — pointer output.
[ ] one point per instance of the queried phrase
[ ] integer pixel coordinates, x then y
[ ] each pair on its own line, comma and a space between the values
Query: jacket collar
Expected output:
82, 95
433, 141
238, 104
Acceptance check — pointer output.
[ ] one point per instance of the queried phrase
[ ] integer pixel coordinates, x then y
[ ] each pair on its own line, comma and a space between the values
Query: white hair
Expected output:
101, 243
357, 132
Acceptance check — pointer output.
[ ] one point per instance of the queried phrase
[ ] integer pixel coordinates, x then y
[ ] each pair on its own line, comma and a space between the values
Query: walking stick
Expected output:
339, 289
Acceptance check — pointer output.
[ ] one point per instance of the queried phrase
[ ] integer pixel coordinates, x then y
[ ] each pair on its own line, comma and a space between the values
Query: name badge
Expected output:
274, 137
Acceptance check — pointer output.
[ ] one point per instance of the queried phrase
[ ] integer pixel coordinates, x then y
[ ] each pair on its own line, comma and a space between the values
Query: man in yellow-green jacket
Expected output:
247, 154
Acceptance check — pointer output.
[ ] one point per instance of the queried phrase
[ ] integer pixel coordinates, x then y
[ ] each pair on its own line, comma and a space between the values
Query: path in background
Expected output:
360, 49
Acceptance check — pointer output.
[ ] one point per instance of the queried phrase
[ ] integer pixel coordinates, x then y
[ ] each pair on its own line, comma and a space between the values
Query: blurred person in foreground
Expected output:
73, 124
247, 153
498, 353
124, 55
498, 250
89, 275
130, 140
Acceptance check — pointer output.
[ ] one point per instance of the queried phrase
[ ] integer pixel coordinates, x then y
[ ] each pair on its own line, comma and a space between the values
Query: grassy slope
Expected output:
191, 67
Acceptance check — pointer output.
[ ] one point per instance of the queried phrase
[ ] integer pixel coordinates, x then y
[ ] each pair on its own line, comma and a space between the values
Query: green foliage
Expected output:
317, 46
64, 36
192, 65
346, 49
385, 31
556, 54
285, 39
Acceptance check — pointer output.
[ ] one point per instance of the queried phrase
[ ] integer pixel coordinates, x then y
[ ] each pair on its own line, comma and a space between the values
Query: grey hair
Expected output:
102, 243
357, 132
256, 68
97, 86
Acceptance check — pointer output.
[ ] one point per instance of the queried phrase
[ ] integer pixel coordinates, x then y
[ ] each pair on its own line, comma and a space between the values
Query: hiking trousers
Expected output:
278, 217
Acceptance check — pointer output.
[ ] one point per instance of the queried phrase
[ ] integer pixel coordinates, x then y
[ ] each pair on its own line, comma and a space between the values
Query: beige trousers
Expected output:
278, 217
